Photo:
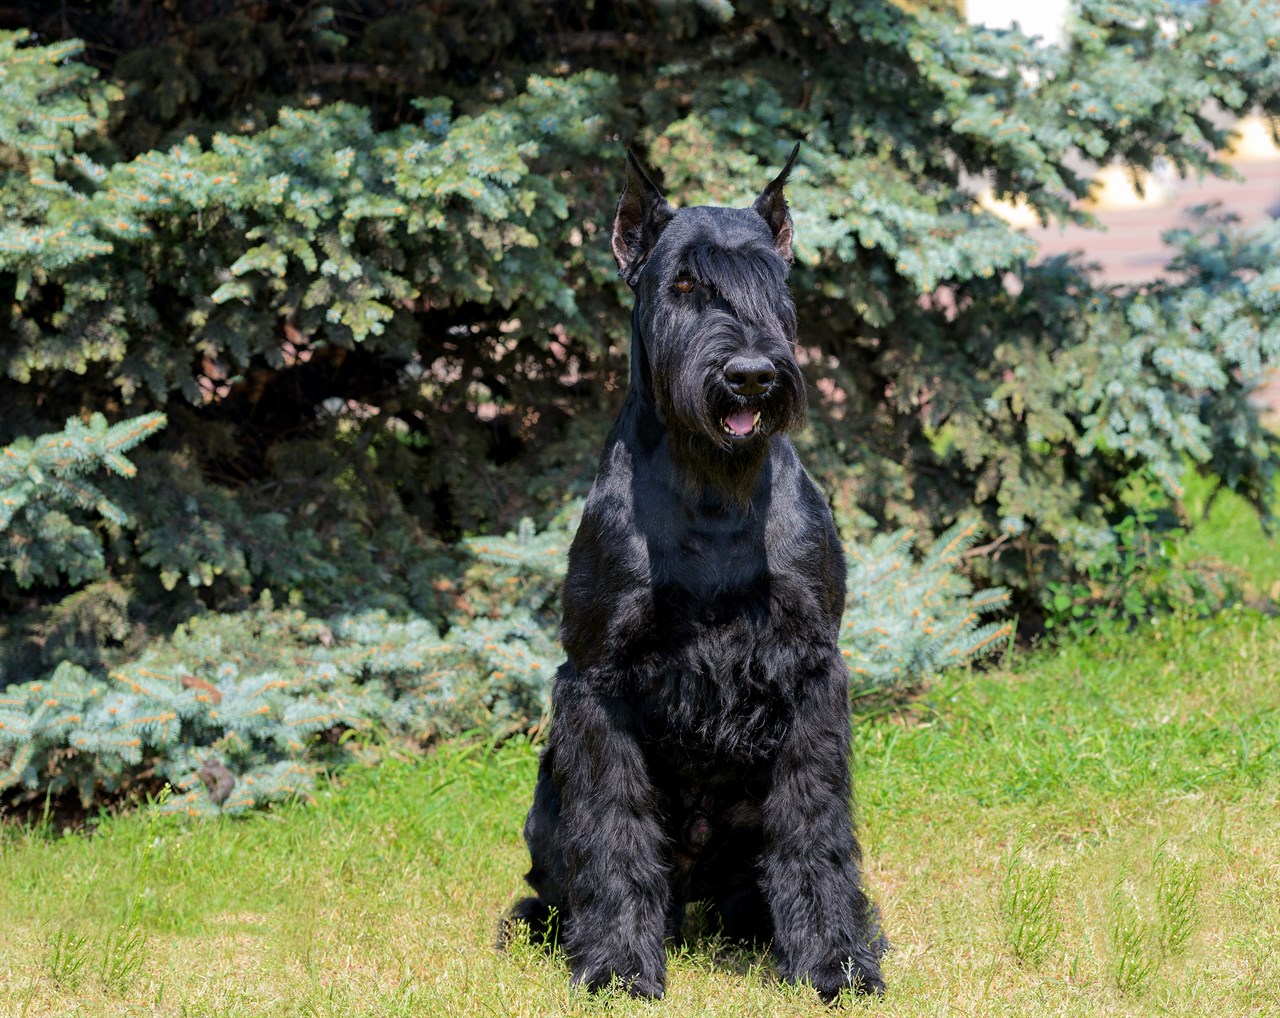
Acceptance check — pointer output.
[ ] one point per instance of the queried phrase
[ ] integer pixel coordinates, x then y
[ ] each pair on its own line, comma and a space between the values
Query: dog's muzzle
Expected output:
749, 378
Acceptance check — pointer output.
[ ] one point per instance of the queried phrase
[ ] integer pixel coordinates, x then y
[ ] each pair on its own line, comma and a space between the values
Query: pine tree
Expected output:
361, 267
403, 296
43, 490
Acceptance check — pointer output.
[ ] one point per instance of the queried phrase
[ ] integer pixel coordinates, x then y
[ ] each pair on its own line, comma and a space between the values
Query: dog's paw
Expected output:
601, 979
532, 919
861, 976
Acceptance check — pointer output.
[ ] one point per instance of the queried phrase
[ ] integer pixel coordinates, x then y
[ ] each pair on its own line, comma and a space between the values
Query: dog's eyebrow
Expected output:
747, 277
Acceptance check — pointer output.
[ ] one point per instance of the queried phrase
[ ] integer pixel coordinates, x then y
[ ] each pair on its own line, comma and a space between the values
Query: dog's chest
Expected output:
722, 643
686, 713
702, 558
721, 681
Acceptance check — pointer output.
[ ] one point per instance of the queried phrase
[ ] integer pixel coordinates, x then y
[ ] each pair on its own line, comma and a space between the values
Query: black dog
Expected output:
700, 741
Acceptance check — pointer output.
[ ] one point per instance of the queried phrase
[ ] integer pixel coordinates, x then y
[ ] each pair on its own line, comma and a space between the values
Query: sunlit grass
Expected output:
1228, 530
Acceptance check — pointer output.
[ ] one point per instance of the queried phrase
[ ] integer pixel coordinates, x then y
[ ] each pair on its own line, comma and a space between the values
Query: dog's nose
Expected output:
749, 376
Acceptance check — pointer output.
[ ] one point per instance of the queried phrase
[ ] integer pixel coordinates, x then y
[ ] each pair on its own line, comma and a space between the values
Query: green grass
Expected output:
1089, 831
1228, 530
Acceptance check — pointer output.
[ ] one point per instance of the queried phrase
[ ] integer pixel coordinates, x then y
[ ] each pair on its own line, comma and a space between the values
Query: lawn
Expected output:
1090, 830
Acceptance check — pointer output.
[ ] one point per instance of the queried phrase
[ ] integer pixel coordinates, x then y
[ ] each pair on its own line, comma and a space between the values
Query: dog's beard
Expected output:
721, 439
696, 399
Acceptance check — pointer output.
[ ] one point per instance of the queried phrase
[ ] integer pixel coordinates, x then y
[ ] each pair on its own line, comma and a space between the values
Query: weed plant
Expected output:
1144, 573
1028, 907
1176, 900
67, 956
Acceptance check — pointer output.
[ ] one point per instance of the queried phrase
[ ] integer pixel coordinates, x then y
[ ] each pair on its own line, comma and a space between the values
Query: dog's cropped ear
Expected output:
772, 205
641, 217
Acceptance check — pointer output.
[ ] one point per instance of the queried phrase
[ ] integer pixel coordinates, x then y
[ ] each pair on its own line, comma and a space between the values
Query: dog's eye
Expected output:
683, 283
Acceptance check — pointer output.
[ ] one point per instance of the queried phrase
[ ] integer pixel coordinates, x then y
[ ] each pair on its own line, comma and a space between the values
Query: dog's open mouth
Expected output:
741, 424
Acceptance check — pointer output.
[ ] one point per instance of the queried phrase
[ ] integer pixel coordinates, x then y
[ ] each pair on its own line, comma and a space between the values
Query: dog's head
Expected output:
715, 326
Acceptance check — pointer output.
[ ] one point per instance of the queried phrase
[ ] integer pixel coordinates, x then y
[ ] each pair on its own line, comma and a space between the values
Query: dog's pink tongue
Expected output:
742, 422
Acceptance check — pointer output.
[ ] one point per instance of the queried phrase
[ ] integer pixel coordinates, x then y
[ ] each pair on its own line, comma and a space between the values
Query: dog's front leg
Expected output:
613, 841
825, 930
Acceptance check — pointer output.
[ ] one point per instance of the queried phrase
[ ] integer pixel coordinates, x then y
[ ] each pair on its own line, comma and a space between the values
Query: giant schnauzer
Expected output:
700, 735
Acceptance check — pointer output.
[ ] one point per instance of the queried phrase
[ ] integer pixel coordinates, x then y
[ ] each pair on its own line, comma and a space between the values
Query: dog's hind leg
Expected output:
543, 921
543, 833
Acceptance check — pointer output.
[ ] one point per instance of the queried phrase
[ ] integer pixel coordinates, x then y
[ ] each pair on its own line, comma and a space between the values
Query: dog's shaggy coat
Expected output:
700, 737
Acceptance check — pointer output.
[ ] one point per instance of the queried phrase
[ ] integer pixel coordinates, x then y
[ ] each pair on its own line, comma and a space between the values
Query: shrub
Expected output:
240, 710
